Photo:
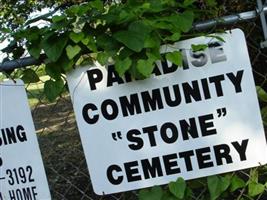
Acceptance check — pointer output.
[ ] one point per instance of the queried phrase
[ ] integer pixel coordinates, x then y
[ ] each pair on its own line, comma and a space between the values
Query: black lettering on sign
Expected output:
85, 112
132, 172
19, 175
204, 159
241, 149
130, 106
170, 137
28, 193
222, 151
113, 76
186, 155
94, 76
218, 85
171, 164
236, 80
151, 134
207, 125
132, 136
1, 196
189, 128
153, 101
111, 113
172, 102
110, 175
191, 91
152, 169
12, 135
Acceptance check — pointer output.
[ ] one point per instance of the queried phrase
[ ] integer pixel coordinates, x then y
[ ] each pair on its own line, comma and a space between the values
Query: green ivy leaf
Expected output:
53, 70
72, 51
187, 3
54, 45
145, 67
58, 18
29, 76
264, 115
131, 39
185, 21
211, 3
177, 188
97, 4
121, 66
153, 41
102, 58
219, 38
255, 189
76, 37
199, 47
174, 37
34, 49
53, 89
154, 193
175, 57
139, 27
262, 95
217, 185
236, 183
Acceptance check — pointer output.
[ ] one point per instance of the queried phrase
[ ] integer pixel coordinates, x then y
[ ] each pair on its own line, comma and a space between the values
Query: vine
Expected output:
128, 34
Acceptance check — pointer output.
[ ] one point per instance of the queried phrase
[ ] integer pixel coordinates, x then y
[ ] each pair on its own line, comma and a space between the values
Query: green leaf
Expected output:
76, 37
175, 57
72, 51
262, 95
121, 66
264, 115
236, 183
53, 89
187, 3
145, 67
174, 37
54, 45
102, 58
153, 41
154, 193
177, 188
139, 27
58, 18
199, 47
168, 196
255, 189
217, 185
185, 21
106, 42
211, 3
34, 49
29, 76
53, 70
97, 4
130, 39
216, 37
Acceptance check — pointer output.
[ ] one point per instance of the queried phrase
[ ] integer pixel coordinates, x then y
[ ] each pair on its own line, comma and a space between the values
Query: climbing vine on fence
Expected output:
128, 33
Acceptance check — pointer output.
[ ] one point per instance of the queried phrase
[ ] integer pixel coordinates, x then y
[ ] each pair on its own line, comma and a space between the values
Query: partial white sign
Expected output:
196, 120
22, 175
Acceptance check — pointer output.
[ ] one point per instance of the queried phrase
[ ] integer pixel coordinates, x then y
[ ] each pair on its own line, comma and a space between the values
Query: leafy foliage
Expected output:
128, 33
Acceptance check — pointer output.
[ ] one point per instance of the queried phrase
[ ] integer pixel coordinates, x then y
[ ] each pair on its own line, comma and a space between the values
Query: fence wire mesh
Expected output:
60, 143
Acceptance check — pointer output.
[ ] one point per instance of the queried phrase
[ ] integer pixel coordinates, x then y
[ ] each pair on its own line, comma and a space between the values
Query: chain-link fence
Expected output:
59, 139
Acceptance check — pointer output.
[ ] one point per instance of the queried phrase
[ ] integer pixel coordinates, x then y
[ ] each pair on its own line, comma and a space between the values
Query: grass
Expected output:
35, 92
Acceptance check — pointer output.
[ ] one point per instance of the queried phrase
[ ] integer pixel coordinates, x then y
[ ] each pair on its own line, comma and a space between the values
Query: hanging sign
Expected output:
190, 121
22, 175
